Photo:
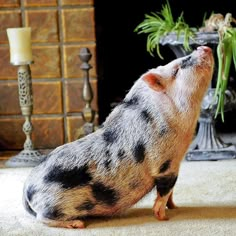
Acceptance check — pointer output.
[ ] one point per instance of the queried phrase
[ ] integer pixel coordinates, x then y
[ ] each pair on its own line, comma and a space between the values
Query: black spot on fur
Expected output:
104, 194
187, 62
86, 206
53, 213
146, 116
69, 178
107, 164
107, 153
163, 130
165, 166
139, 152
110, 136
121, 154
132, 102
30, 192
165, 183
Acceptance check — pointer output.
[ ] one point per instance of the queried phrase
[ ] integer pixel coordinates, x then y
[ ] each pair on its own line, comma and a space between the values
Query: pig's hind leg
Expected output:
164, 185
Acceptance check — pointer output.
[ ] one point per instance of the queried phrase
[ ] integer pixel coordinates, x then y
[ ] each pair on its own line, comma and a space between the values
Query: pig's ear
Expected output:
154, 81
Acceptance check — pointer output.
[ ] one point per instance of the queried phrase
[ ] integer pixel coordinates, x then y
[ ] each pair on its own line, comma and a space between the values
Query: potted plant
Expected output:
217, 32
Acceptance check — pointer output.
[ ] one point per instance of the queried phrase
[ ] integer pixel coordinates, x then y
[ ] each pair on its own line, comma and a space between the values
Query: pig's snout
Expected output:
205, 55
204, 49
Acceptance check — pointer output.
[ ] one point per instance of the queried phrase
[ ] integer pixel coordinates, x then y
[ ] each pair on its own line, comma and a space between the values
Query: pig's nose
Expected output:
204, 48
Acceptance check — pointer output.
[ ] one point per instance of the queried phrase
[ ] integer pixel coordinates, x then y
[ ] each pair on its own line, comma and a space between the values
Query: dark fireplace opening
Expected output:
121, 53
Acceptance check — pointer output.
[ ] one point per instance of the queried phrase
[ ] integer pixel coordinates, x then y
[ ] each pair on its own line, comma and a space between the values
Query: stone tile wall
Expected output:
60, 28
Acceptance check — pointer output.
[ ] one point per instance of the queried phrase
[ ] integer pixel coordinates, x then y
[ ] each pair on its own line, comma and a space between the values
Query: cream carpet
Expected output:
205, 193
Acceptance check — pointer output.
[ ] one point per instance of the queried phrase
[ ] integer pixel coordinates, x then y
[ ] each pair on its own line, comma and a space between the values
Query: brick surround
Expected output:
60, 28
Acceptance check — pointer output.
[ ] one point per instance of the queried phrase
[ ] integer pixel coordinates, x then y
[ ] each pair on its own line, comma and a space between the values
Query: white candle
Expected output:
20, 45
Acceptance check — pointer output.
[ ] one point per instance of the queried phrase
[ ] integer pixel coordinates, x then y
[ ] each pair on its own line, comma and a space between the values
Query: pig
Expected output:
139, 147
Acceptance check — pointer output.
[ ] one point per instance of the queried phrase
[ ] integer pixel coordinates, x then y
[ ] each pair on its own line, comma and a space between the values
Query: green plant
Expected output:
226, 53
159, 24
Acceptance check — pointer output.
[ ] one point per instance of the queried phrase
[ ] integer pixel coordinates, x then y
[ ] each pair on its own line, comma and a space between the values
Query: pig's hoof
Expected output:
163, 218
75, 224
160, 216
159, 209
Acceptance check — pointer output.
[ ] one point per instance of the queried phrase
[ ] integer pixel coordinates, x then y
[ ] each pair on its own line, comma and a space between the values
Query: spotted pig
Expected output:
140, 146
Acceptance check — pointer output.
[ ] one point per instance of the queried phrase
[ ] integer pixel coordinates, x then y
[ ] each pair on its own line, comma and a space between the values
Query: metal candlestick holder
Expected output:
88, 114
29, 157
